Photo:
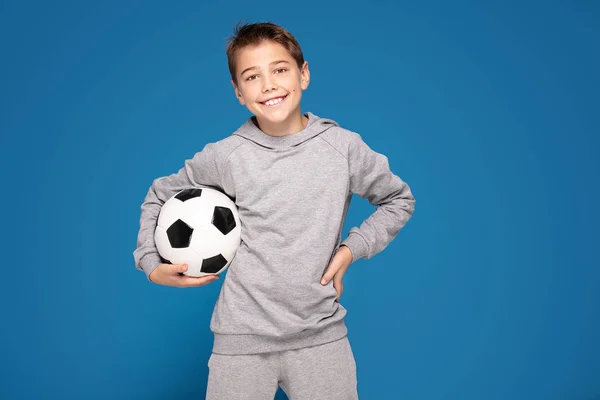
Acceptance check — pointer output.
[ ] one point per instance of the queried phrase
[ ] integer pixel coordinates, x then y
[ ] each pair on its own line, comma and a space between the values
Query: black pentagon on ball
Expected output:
213, 265
223, 219
179, 234
188, 194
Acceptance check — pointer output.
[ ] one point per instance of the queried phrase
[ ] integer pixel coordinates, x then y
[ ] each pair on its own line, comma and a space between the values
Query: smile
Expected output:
274, 102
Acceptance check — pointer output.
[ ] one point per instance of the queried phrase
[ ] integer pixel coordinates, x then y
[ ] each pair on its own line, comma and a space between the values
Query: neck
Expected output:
295, 123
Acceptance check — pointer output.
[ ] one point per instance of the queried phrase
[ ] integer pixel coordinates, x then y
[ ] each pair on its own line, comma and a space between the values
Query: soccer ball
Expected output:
199, 227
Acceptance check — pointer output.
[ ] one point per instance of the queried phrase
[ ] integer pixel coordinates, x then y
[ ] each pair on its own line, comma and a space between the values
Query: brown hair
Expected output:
254, 34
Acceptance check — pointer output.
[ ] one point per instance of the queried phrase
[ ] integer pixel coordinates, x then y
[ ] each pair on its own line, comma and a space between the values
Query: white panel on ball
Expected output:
169, 213
207, 241
189, 257
231, 242
162, 242
194, 212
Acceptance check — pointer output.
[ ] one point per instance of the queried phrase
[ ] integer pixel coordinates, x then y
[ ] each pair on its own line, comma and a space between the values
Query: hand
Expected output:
172, 275
337, 268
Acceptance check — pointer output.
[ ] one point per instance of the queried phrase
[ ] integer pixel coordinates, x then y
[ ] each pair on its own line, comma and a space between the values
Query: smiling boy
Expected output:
278, 321
270, 85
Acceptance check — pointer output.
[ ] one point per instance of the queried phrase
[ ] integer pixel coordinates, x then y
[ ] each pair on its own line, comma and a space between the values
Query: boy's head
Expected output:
266, 63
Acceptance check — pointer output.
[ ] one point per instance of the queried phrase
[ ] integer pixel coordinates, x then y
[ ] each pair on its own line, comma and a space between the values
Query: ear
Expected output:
238, 94
304, 76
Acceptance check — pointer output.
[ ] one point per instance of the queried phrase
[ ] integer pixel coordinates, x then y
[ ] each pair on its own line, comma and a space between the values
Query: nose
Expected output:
269, 84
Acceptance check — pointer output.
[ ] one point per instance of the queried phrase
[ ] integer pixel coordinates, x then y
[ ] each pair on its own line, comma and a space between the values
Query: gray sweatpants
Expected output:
326, 371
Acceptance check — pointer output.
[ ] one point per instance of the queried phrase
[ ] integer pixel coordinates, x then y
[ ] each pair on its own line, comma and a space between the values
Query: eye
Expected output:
250, 77
281, 69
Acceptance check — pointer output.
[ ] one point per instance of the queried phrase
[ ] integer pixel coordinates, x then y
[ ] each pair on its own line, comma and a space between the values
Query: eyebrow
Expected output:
272, 63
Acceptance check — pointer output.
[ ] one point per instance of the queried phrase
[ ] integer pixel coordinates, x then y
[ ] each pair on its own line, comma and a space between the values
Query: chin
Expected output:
274, 117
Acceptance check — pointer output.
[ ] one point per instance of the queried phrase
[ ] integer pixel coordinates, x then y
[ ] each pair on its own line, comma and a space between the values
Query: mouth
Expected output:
274, 102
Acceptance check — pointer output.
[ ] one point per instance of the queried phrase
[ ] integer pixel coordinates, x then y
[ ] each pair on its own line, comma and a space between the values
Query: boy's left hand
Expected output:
337, 268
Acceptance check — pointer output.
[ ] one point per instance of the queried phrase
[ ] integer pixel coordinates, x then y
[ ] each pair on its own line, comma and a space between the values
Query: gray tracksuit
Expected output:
292, 194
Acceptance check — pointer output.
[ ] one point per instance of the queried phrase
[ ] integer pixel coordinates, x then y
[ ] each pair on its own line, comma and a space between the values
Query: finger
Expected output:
339, 287
331, 271
339, 295
179, 268
191, 281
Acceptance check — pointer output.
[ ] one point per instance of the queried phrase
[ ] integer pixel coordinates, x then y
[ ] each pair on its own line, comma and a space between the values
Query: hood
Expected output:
315, 126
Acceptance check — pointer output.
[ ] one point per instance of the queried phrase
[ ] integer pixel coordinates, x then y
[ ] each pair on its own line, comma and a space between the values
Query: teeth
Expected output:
274, 101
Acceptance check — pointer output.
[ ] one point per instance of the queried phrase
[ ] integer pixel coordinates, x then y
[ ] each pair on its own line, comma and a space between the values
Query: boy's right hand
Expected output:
172, 275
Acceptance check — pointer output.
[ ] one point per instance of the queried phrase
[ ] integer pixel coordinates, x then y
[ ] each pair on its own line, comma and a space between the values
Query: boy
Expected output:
278, 320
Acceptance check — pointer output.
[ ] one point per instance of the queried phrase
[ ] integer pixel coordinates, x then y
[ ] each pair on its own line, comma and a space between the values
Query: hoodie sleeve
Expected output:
371, 178
200, 171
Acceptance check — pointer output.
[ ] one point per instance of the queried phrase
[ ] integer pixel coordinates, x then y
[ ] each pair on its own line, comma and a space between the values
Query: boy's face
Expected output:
267, 72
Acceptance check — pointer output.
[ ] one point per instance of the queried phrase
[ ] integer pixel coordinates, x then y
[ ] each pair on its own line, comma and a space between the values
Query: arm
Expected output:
371, 178
201, 170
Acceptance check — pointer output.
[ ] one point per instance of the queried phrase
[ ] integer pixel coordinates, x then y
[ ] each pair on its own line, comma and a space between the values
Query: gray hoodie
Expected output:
292, 194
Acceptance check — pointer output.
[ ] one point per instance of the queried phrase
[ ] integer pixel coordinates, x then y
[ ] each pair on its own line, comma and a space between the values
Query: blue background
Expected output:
489, 112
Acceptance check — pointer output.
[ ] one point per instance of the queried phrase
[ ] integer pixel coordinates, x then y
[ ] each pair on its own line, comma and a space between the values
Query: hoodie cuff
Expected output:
357, 246
149, 263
